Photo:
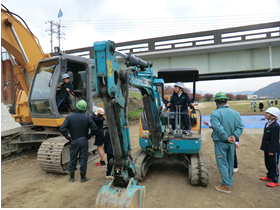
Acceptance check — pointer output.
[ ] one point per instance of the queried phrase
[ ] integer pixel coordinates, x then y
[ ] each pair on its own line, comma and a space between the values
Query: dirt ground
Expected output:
25, 185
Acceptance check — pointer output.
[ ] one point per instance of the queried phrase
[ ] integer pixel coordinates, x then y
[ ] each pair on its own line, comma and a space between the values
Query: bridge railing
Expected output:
206, 38
213, 37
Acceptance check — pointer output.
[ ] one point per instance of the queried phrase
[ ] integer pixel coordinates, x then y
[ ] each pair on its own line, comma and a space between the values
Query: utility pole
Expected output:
58, 32
51, 32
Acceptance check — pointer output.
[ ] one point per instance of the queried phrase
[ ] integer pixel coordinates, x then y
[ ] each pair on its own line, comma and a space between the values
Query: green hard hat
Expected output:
220, 96
82, 105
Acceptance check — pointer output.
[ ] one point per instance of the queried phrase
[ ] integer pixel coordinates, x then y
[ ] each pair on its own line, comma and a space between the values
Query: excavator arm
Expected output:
112, 84
25, 53
20, 43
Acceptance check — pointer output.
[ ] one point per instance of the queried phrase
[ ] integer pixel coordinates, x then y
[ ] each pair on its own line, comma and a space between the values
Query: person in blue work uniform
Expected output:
78, 123
65, 88
99, 136
110, 155
271, 147
227, 127
235, 165
179, 97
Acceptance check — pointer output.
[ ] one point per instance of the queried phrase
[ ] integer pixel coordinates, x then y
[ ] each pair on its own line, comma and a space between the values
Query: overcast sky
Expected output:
87, 21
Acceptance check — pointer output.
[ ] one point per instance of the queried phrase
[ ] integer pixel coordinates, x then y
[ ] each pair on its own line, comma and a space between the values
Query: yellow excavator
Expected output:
40, 75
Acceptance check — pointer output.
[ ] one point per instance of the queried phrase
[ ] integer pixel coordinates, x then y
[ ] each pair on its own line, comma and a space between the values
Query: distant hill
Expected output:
245, 92
272, 90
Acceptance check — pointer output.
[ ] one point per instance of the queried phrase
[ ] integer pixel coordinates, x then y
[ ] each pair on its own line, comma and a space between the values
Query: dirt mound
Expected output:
134, 103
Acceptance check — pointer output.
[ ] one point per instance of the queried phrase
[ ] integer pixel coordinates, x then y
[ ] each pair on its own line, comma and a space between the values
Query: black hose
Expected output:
18, 17
126, 96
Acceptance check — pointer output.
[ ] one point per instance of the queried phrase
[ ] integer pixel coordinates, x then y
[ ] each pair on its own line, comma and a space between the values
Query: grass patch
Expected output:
135, 94
132, 115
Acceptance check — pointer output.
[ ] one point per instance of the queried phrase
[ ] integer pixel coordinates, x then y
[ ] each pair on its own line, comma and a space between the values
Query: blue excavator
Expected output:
112, 86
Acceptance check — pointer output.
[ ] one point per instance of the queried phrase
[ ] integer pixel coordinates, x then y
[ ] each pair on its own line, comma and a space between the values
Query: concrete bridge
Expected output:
231, 53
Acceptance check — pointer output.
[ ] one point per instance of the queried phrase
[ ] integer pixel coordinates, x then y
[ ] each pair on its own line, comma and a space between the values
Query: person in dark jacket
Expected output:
179, 97
261, 106
99, 136
65, 88
78, 123
109, 151
271, 147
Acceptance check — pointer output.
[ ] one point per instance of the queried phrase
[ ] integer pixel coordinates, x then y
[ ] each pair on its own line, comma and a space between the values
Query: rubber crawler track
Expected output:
198, 170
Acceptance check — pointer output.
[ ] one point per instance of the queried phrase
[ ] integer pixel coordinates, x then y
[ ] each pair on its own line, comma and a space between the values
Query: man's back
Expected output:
78, 123
226, 122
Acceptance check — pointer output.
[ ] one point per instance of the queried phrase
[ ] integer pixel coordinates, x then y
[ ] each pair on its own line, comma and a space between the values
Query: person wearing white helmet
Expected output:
99, 136
261, 106
271, 146
63, 93
180, 97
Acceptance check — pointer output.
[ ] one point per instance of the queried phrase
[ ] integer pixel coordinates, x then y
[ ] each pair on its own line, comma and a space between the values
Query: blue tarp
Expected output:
252, 121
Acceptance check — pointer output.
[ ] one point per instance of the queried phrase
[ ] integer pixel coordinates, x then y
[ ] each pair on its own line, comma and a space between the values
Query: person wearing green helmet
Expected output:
227, 127
78, 123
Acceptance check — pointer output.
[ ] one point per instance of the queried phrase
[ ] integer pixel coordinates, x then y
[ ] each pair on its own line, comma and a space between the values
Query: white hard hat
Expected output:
101, 110
274, 111
65, 76
261, 101
179, 84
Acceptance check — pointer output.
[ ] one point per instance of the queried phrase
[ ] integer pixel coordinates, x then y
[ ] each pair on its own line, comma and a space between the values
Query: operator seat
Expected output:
78, 85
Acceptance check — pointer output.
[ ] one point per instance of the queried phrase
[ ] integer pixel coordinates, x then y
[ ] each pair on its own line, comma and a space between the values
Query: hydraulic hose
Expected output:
126, 96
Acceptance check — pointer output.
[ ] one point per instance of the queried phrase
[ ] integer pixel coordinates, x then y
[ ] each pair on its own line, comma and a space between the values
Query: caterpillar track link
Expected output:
53, 155
198, 170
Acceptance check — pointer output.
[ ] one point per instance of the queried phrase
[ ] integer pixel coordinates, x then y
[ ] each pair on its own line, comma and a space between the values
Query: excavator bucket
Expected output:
110, 196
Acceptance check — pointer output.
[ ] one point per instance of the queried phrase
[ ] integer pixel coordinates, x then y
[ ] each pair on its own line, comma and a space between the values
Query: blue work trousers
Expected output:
235, 159
79, 147
224, 153
185, 119
271, 164
109, 167
59, 101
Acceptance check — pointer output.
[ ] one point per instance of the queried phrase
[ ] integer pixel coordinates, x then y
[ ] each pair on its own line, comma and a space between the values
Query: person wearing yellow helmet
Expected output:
271, 146
78, 123
227, 127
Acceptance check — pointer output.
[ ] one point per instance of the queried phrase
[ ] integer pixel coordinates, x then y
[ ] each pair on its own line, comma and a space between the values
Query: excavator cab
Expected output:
47, 82
184, 75
178, 145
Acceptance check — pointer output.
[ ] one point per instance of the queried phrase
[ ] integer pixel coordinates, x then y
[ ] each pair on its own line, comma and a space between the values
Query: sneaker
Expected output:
98, 164
235, 170
272, 184
223, 188
265, 178
109, 177
102, 164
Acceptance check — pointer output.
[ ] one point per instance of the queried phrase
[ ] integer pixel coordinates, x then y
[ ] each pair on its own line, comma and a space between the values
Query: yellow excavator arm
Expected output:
25, 52
22, 45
